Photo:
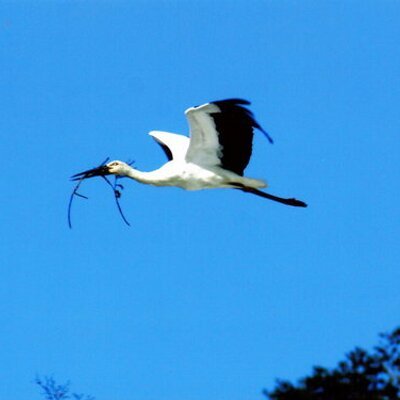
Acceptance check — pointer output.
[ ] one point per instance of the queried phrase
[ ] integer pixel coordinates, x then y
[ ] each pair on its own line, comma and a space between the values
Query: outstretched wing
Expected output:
175, 146
221, 134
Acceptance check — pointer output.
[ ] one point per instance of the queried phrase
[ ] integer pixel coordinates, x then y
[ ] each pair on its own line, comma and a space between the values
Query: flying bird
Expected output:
214, 156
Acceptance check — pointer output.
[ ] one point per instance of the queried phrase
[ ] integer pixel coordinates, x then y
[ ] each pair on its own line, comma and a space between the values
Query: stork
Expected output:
215, 155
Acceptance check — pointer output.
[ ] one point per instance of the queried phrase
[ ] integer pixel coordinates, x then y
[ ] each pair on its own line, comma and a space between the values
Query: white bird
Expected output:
215, 155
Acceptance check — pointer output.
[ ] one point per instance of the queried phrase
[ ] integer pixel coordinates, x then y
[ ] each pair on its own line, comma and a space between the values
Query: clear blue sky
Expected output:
213, 294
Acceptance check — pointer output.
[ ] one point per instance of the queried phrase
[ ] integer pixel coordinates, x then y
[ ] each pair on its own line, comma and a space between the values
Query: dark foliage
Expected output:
361, 376
51, 390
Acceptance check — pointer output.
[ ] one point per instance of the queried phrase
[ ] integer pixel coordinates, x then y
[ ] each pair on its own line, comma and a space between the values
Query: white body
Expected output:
193, 177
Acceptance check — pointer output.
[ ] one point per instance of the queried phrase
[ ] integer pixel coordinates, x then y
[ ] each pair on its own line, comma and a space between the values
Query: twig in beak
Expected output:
75, 192
117, 195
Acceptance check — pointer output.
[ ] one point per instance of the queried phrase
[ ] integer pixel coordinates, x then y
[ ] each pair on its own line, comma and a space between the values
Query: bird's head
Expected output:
116, 167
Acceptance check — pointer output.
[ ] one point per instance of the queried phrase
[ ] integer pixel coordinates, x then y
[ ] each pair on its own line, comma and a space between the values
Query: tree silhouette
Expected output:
361, 376
51, 390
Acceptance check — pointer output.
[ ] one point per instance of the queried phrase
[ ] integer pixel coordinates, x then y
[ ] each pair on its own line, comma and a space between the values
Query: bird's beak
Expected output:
90, 173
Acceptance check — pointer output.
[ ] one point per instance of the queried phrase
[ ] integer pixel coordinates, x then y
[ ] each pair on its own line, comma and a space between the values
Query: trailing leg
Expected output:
290, 202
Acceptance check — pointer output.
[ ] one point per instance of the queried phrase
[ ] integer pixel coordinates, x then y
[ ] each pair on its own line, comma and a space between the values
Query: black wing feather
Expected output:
165, 148
235, 125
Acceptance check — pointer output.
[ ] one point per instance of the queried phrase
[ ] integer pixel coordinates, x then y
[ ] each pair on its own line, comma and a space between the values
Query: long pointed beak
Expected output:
90, 173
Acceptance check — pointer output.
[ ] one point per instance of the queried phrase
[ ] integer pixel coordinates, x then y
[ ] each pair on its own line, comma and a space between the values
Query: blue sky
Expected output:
210, 294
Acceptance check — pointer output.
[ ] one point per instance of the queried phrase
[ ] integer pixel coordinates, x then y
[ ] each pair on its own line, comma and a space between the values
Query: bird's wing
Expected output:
221, 134
175, 146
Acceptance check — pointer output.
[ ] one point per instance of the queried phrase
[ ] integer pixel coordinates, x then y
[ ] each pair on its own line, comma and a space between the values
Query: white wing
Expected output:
204, 148
221, 134
175, 146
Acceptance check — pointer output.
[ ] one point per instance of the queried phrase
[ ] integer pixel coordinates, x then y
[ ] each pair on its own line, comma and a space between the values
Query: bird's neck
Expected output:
140, 176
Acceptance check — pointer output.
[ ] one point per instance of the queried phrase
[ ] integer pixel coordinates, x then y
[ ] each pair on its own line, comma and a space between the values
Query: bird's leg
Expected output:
289, 202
